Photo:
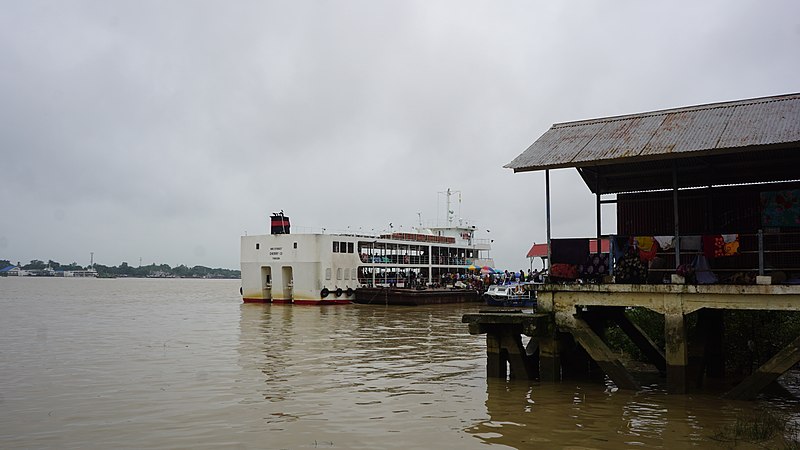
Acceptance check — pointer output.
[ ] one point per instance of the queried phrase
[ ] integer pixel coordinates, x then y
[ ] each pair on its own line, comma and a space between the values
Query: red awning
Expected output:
538, 251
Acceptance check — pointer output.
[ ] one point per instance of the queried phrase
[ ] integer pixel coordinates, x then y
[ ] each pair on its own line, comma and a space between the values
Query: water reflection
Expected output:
524, 414
369, 375
356, 373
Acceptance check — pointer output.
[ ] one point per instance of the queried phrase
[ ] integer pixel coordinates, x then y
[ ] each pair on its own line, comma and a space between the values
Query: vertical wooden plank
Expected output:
549, 359
495, 363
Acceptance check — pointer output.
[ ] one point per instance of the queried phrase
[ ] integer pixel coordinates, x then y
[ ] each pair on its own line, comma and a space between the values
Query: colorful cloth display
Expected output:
647, 247
595, 266
619, 246
780, 208
665, 242
630, 269
561, 271
716, 246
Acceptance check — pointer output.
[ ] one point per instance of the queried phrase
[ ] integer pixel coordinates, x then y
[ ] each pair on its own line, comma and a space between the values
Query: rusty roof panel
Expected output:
558, 147
763, 123
620, 139
689, 131
696, 130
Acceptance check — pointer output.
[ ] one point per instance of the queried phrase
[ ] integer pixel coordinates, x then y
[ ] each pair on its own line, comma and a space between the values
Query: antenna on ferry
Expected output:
449, 211
419, 215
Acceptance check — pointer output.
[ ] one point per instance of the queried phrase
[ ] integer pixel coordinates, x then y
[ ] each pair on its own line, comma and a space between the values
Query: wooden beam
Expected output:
767, 373
520, 363
641, 340
604, 357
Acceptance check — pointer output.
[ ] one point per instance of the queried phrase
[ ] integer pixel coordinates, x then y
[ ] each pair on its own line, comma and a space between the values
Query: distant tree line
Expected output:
124, 270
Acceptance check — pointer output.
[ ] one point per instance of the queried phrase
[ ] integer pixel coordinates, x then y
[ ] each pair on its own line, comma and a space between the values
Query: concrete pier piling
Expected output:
570, 322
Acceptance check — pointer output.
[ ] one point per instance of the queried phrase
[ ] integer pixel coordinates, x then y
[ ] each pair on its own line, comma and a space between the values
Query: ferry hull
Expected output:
412, 297
297, 302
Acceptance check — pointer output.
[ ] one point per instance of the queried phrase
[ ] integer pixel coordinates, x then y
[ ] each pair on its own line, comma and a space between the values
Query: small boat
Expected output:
516, 294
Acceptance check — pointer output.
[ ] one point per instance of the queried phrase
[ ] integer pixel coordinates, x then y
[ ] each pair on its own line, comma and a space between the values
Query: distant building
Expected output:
10, 271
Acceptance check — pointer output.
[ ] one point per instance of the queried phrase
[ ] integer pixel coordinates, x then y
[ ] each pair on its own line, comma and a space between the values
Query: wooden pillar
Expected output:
506, 356
532, 360
520, 364
676, 354
549, 359
495, 361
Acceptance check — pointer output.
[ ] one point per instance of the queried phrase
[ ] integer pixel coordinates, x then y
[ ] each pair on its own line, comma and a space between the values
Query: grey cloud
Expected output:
169, 128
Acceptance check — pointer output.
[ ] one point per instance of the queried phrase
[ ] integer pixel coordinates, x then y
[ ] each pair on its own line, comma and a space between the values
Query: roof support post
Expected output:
547, 203
597, 209
675, 214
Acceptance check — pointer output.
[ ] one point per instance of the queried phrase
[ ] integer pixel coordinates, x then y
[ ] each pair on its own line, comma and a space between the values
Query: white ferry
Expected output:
325, 268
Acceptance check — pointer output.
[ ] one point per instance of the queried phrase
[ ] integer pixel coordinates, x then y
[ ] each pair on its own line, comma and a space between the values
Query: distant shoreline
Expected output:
37, 268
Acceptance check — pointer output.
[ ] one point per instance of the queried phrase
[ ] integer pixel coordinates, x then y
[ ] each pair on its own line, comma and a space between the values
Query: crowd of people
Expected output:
482, 281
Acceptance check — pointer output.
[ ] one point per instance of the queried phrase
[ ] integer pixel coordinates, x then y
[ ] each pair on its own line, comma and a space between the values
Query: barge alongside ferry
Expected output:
328, 268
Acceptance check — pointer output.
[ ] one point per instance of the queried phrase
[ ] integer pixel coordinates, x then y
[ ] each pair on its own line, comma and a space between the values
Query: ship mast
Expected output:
449, 212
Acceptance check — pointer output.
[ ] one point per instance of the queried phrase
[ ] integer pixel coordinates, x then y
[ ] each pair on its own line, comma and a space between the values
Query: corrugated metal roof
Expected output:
667, 134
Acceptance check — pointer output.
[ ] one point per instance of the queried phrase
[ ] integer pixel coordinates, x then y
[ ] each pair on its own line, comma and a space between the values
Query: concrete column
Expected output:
676, 354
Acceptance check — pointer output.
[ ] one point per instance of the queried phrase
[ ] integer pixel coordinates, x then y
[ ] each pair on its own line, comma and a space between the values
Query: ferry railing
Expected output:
417, 260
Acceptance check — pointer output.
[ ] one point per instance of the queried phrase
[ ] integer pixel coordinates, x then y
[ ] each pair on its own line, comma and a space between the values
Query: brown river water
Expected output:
140, 363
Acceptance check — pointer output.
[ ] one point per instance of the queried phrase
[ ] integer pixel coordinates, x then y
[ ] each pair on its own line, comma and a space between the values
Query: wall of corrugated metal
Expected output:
703, 211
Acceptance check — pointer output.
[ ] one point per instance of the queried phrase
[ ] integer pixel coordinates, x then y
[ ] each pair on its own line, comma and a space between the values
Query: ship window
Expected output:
346, 274
336, 247
339, 273
295, 245
343, 247
349, 247
257, 246
328, 273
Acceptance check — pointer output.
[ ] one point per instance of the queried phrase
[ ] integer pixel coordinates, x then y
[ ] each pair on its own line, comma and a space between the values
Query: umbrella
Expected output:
487, 269
472, 267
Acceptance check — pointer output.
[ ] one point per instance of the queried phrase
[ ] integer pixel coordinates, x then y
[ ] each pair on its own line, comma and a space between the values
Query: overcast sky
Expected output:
164, 130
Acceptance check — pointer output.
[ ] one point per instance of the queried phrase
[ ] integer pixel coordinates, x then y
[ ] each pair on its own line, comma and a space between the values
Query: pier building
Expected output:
708, 221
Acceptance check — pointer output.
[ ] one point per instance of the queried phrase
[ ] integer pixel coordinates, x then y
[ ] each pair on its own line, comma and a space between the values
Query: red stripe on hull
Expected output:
281, 300
255, 300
